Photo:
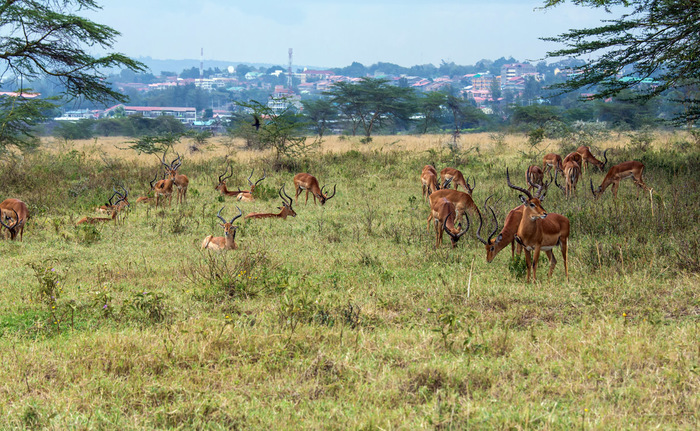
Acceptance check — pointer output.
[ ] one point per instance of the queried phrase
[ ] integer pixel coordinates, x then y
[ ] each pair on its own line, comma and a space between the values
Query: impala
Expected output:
443, 213
21, 214
534, 177
285, 209
162, 188
180, 181
225, 242
115, 211
507, 235
455, 176
429, 179
572, 173
617, 173
117, 206
461, 200
247, 195
550, 161
539, 231
588, 157
308, 182
576, 157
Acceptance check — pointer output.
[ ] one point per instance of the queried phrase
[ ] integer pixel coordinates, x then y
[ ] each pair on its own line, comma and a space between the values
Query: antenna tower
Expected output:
289, 71
201, 65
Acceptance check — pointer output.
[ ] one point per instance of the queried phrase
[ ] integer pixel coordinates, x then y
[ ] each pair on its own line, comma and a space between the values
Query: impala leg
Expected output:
296, 197
307, 197
528, 263
430, 217
552, 261
535, 261
615, 185
565, 255
438, 234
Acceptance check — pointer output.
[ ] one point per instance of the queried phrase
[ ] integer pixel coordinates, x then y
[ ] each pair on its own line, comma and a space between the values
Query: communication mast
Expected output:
201, 66
289, 71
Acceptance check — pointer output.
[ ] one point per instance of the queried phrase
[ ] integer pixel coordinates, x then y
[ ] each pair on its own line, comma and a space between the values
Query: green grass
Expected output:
346, 316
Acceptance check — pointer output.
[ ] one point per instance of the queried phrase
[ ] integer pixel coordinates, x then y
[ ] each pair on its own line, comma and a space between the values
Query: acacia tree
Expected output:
320, 113
657, 39
371, 102
46, 38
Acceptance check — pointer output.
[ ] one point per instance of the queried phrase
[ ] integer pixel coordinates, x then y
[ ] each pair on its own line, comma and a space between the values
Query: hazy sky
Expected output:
335, 33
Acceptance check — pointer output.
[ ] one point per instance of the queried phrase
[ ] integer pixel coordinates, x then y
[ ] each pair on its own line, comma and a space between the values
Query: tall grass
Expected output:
346, 316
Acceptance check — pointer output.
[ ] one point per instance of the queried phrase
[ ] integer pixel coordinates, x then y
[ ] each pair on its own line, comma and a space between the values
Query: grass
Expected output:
346, 316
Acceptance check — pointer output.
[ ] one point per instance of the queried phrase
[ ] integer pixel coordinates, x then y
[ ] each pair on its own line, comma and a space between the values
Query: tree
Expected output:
430, 105
371, 103
656, 39
320, 113
45, 38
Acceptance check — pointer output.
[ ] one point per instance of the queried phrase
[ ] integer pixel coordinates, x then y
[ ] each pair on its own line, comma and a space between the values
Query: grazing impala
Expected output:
550, 161
576, 157
539, 231
443, 213
308, 182
507, 235
588, 157
456, 177
429, 179
572, 173
534, 177
225, 242
16, 213
181, 182
617, 173
461, 200
162, 188
285, 209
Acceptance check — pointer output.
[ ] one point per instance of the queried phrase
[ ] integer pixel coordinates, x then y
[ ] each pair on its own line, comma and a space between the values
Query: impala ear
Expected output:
523, 199
500, 238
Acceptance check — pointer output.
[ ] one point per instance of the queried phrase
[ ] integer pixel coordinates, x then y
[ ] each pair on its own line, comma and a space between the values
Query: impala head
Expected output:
286, 203
7, 218
250, 183
596, 193
446, 184
490, 243
533, 206
470, 187
324, 196
229, 228
122, 197
454, 237
223, 178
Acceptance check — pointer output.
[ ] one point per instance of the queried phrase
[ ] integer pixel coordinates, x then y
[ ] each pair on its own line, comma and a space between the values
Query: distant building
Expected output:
184, 115
515, 70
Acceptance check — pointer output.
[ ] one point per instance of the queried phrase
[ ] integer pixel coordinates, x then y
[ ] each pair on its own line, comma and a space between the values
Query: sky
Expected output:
327, 34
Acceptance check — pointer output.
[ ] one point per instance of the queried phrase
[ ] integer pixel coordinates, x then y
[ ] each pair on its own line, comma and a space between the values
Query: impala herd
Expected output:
527, 227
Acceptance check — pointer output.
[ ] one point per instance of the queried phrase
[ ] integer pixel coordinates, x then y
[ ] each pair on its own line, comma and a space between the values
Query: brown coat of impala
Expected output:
118, 206
181, 182
162, 188
588, 157
453, 175
285, 209
443, 213
461, 200
550, 161
428, 178
226, 242
308, 182
540, 231
617, 173
15, 213
534, 177
572, 173
505, 237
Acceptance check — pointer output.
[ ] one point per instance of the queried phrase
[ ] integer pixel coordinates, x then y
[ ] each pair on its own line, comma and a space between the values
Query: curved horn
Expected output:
126, 192
605, 155
153, 180
240, 213
219, 215
556, 175
545, 188
486, 202
177, 159
495, 220
520, 189
592, 191
250, 183
167, 166
263, 177
478, 231
288, 197
455, 237
328, 197
15, 223
446, 184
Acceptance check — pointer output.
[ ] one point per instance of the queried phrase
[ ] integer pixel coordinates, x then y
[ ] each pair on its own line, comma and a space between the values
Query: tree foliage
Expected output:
46, 38
656, 39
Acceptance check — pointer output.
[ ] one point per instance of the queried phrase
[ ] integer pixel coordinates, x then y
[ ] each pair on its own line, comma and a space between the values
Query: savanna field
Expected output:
346, 316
